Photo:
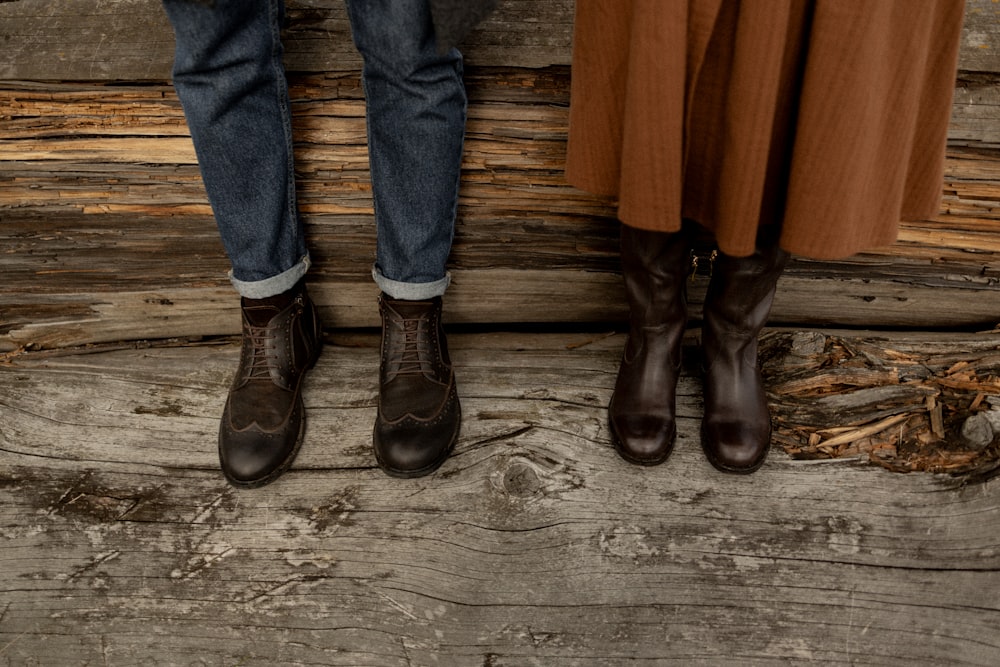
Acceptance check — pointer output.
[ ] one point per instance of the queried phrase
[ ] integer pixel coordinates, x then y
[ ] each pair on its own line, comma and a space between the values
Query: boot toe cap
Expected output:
252, 457
733, 447
411, 448
642, 438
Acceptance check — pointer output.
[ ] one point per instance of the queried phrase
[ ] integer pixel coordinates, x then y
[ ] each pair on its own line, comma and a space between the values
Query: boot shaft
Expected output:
741, 292
654, 268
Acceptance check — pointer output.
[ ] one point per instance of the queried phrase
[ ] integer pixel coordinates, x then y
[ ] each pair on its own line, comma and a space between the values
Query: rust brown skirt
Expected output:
826, 118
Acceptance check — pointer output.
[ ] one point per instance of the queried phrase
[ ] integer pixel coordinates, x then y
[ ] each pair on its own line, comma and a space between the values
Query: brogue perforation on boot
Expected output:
419, 414
263, 422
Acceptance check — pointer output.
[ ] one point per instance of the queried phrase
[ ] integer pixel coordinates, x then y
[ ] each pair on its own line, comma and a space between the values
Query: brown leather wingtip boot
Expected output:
264, 420
641, 415
419, 414
736, 428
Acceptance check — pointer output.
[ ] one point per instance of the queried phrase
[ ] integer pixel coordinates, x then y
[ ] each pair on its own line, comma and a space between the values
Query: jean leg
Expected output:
416, 110
229, 75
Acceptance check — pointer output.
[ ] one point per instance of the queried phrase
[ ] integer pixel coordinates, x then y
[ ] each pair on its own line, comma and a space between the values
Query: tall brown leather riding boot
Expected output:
264, 419
642, 415
736, 429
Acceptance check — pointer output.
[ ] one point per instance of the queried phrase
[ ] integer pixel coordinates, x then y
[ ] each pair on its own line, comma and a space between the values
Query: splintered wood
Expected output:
900, 402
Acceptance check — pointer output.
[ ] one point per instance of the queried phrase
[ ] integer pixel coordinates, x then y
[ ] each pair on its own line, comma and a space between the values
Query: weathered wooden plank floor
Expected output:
534, 545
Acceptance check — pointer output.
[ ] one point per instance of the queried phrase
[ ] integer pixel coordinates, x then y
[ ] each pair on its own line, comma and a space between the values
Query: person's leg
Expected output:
230, 79
416, 128
231, 82
416, 125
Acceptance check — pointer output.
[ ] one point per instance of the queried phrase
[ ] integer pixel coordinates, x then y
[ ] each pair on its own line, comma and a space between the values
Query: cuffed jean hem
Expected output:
410, 291
261, 289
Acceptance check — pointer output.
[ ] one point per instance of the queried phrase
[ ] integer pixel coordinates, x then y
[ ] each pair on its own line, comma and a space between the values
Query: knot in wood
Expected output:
521, 480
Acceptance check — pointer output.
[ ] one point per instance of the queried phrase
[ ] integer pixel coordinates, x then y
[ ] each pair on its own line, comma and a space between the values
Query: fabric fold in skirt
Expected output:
824, 119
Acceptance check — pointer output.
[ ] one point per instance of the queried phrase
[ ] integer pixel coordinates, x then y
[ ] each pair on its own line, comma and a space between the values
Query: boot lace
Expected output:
411, 353
261, 363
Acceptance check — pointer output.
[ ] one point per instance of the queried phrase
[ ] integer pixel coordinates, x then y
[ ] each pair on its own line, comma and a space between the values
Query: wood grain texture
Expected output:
107, 234
132, 40
533, 545
980, 49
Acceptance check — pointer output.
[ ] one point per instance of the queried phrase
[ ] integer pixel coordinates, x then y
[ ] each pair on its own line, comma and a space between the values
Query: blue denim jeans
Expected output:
229, 75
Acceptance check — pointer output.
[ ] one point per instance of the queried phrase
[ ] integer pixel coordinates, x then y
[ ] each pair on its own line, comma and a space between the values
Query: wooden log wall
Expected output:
106, 233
